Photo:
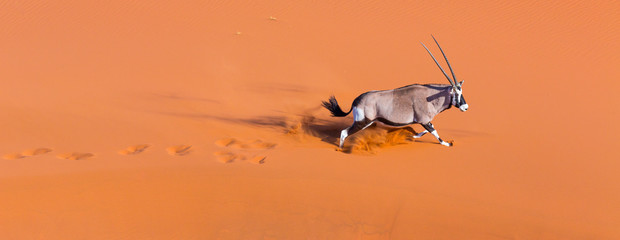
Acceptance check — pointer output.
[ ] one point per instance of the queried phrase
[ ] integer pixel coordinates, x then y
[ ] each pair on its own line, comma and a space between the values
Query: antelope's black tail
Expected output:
333, 107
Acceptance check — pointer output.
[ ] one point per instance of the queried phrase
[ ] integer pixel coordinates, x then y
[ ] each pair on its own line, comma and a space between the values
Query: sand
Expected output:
166, 120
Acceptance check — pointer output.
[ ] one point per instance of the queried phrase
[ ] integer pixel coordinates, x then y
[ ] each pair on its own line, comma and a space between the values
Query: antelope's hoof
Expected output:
448, 143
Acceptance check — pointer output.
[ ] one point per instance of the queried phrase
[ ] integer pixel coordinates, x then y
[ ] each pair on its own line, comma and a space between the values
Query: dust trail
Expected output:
369, 141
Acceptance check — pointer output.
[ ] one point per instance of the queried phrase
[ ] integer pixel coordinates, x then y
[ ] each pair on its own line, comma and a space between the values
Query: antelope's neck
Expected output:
452, 98
448, 100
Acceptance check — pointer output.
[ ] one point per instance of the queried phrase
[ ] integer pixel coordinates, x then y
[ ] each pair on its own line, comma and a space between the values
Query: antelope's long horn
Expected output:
446, 58
444, 72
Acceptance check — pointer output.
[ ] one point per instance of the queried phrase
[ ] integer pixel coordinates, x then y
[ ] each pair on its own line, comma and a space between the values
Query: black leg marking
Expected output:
430, 128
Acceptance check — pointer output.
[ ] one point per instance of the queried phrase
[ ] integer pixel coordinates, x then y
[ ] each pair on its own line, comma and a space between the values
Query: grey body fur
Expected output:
406, 105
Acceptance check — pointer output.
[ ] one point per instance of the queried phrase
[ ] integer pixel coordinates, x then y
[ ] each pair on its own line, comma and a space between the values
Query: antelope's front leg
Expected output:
414, 134
430, 128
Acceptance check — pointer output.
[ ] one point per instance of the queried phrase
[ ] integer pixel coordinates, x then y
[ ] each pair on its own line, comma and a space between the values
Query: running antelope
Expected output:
403, 106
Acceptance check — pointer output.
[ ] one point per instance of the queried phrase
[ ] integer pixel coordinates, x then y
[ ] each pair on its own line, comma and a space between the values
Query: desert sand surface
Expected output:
202, 120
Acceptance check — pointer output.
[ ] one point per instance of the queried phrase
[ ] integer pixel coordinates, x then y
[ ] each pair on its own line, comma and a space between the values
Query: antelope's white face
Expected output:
458, 100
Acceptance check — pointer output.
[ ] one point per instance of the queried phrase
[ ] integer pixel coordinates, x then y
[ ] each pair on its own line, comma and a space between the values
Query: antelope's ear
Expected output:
461, 83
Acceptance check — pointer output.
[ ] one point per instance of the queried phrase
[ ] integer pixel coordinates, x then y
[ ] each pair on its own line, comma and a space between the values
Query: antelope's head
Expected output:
457, 96
457, 87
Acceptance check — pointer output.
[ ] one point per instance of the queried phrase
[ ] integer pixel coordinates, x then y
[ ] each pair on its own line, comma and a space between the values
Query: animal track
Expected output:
258, 144
234, 143
36, 151
228, 157
13, 156
131, 150
75, 156
179, 150
247, 149
27, 153
225, 142
258, 159
243, 151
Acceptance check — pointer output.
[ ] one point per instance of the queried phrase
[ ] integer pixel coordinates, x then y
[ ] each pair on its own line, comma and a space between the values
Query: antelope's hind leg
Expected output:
356, 127
430, 128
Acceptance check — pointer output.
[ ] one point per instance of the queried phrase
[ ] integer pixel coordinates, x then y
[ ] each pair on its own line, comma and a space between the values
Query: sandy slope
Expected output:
161, 120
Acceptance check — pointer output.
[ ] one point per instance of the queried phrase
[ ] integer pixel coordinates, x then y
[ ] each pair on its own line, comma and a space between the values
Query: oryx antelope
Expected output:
403, 106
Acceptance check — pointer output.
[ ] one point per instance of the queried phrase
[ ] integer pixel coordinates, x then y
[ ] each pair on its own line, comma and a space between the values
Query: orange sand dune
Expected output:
202, 120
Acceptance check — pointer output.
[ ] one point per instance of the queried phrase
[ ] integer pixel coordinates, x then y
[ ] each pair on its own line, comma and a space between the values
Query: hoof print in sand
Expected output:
258, 144
228, 157
134, 149
226, 142
75, 156
180, 150
36, 151
248, 148
27, 153
258, 159
234, 143
13, 156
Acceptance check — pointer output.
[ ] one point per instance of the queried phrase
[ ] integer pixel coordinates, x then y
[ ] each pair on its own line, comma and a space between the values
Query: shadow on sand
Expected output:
326, 129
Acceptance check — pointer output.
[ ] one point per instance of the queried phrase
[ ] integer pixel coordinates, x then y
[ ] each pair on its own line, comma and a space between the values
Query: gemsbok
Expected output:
416, 103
